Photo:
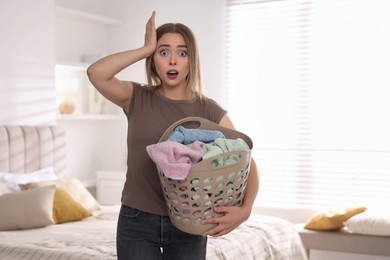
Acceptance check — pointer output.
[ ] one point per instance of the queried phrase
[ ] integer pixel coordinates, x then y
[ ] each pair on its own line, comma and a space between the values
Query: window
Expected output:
308, 80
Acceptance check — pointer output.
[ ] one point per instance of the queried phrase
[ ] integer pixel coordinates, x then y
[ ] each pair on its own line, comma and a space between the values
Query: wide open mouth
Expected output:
172, 74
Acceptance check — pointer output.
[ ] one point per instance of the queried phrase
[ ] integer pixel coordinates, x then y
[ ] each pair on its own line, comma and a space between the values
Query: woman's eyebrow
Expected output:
168, 45
164, 45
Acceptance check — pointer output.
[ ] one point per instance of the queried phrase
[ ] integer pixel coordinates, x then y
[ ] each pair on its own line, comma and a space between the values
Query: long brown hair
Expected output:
194, 77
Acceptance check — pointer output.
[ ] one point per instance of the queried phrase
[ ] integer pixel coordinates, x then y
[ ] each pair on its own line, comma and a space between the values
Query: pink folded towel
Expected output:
175, 159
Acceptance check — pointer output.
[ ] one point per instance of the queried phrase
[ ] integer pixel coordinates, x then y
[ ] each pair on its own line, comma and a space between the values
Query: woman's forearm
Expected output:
252, 187
107, 67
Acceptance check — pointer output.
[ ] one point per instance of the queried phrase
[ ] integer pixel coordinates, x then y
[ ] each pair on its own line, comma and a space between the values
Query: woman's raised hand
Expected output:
150, 34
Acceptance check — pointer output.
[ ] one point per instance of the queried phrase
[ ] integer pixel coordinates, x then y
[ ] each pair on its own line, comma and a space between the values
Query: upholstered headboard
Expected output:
30, 148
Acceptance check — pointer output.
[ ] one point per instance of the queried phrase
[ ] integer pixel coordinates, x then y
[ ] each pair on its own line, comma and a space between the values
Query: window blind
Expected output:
27, 55
27, 93
308, 81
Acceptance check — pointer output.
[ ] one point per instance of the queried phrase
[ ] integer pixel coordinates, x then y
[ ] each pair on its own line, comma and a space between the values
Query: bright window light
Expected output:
309, 81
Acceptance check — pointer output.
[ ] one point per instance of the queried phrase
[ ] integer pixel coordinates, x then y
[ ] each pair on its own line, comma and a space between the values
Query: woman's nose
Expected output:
172, 60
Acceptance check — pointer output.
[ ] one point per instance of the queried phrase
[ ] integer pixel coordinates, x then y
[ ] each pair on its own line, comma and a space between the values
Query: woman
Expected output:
173, 92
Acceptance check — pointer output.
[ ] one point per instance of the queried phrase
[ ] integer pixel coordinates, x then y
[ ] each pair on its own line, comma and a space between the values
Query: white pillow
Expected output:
27, 209
371, 222
14, 179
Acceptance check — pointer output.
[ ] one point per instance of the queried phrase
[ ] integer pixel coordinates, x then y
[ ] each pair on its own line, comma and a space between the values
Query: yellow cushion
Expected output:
66, 209
331, 219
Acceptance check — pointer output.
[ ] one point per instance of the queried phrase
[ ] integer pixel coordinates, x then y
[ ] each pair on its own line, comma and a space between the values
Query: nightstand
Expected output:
109, 185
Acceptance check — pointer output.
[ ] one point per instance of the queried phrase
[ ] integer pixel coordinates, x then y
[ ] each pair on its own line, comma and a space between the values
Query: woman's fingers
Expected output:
150, 34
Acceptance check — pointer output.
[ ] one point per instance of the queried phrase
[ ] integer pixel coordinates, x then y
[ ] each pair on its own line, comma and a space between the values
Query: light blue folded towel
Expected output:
187, 136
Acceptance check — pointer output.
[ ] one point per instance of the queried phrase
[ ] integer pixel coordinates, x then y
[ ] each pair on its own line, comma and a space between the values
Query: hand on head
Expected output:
150, 34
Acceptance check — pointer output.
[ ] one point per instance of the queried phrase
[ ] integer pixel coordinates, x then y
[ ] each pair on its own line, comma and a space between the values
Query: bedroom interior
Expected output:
48, 50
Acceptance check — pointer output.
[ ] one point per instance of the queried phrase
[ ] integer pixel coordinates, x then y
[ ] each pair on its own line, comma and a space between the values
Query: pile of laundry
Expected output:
186, 147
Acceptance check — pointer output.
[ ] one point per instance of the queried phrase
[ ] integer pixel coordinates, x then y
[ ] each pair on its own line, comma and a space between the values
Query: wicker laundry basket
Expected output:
192, 200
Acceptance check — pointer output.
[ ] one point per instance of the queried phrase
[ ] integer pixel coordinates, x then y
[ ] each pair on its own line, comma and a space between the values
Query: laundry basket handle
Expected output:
209, 125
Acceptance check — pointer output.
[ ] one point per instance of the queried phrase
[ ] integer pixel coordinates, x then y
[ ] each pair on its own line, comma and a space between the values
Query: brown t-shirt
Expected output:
150, 114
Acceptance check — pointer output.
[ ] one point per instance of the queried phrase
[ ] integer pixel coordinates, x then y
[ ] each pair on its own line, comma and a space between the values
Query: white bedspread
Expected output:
261, 237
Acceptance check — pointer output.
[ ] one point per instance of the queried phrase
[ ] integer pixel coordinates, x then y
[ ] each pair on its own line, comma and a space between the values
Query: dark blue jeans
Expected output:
146, 236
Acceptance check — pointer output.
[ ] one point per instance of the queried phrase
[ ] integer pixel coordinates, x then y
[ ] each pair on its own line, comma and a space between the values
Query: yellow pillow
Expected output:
331, 219
66, 209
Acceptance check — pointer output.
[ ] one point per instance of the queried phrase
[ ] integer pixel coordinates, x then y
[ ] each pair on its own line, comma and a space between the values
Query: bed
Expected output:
91, 234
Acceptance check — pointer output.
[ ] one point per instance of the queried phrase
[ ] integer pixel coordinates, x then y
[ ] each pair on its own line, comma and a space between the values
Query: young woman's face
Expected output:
171, 60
